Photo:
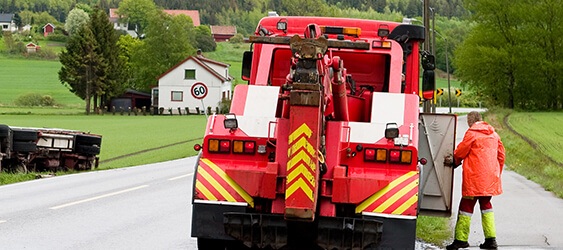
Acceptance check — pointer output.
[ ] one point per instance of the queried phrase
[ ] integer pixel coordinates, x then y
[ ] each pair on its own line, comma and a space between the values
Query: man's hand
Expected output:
449, 161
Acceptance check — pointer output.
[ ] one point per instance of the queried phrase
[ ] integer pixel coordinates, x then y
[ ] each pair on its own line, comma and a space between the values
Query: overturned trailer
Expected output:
47, 149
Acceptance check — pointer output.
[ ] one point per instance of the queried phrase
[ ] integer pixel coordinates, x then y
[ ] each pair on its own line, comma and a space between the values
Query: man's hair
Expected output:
473, 117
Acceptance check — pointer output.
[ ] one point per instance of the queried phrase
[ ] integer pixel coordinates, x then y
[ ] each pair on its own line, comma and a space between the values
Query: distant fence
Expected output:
143, 111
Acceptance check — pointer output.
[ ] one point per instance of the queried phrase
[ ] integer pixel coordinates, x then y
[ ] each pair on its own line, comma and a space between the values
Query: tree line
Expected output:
507, 52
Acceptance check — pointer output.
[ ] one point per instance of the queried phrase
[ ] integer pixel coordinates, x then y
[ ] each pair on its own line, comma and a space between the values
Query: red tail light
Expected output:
369, 154
249, 147
224, 146
395, 156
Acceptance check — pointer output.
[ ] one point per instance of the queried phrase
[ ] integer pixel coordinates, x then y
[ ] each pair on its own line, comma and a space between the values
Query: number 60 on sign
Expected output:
199, 90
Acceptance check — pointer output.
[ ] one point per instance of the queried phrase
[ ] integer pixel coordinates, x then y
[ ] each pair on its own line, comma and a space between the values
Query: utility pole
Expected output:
427, 104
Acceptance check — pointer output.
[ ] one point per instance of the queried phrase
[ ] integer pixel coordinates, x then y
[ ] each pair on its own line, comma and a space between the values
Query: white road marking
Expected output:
2, 221
180, 177
97, 197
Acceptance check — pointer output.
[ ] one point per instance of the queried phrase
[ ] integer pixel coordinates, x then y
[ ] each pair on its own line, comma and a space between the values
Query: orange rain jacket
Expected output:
483, 155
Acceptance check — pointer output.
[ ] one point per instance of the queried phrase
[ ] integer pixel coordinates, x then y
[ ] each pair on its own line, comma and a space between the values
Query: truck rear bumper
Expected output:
264, 230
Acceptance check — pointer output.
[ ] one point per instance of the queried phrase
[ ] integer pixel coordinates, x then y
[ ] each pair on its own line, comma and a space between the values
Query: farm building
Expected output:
32, 47
174, 89
223, 33
48, 29
7, 22
129, 100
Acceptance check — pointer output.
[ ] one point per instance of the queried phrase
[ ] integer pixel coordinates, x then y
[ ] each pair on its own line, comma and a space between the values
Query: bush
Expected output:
238, 38
224, 106
35, 99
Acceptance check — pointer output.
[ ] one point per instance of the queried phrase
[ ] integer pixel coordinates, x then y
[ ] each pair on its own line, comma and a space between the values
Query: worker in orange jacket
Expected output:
483, 157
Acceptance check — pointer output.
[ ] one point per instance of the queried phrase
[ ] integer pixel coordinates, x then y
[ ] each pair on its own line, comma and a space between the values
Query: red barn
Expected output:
223, 33
48, 29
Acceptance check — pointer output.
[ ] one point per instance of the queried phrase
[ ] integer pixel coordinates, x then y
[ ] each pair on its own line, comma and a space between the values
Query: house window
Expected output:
177, 96
189, 74
5, 26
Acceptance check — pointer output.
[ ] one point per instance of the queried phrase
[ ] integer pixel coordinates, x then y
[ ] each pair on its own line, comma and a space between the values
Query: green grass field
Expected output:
232, 54
22, 76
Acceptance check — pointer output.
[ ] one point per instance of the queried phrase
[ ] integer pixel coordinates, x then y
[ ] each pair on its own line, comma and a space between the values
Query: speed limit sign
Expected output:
199, 90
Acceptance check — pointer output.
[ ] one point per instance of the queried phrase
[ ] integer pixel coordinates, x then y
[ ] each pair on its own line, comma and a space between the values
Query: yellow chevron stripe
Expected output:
303, 170
230, 181
206, 193
383, 191
301, 143
303, 129
216, 185
297, 158
401, 209
395, 197
299, 184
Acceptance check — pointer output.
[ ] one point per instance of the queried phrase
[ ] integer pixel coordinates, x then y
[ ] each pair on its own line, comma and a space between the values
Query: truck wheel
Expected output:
90, 150
210, 244
24, 146
24, 135
88, 140
4, 131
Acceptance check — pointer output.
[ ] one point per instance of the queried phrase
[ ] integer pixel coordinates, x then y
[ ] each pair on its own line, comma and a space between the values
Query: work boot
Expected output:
490, 243
457, 244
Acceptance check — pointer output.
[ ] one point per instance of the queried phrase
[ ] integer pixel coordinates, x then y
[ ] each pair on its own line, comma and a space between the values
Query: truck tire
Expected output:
4, 131
24, 135
89, 150
87, 140
24, 146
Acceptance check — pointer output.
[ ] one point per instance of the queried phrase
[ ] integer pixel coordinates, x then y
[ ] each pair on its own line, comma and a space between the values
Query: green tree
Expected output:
127, 46
80, 71
488, 59
167, 43
112, 69
18, 20
204, 39
137, 12
76, 19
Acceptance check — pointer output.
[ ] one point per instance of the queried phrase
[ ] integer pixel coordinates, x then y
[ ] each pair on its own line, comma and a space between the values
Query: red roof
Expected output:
194, 14
227, 30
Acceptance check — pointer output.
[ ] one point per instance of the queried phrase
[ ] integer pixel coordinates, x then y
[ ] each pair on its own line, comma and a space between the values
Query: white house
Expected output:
175, 86
7, 22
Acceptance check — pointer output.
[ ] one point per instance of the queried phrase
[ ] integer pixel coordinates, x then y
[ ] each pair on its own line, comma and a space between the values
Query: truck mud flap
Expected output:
263, 230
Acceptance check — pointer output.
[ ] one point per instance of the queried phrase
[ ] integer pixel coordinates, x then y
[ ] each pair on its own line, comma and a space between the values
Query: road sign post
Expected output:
199, 91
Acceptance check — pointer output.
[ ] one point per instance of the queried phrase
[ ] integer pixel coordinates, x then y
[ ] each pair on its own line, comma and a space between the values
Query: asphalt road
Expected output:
144, 207
148, 207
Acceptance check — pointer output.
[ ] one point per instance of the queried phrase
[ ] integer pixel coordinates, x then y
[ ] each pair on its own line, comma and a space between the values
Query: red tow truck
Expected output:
325, 147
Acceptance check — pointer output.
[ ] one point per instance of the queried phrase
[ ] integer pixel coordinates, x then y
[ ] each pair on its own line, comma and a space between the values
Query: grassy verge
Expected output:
541, 129
433, 230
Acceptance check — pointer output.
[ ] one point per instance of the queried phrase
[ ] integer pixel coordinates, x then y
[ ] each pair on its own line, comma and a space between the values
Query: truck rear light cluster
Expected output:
244, 147
225, 146
219, 146
394, 155
400, 156
375, 154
